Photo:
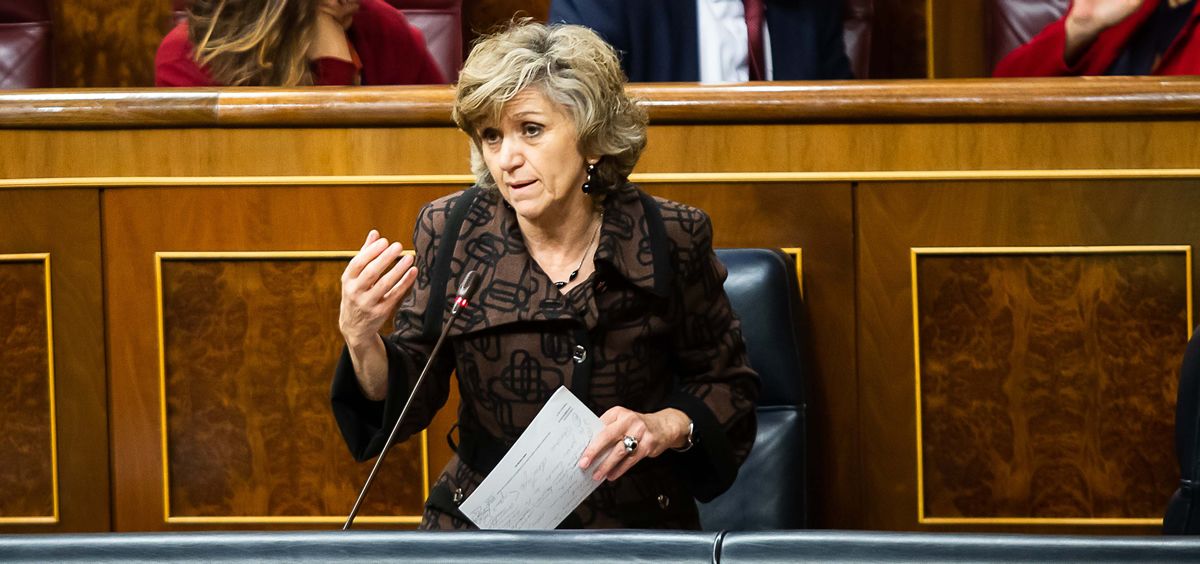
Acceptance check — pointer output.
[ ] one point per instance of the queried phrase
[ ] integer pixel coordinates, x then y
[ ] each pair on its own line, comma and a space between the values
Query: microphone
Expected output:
466, 289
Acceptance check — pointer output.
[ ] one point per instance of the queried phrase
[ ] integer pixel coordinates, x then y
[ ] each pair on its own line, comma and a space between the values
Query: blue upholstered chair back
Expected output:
1183, 510
771, 490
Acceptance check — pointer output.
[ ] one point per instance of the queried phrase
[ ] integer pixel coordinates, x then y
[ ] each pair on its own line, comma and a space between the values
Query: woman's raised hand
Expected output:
334, 17
372, 288
652, 433
1090, 17
1099, 15
342, 11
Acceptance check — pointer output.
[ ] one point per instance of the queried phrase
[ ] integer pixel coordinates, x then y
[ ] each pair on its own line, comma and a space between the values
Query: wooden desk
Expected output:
195, 237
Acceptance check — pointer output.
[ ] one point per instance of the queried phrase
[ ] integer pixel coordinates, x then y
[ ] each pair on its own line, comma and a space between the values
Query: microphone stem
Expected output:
396, 428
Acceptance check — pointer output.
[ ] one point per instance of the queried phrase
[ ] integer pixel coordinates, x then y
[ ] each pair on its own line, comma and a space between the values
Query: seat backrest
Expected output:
1183, 510
1012, 23
440, 21
857, 20
771, 490
25, 47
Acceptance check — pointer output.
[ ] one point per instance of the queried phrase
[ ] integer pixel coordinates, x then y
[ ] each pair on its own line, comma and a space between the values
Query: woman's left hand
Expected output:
342, 11
654, 433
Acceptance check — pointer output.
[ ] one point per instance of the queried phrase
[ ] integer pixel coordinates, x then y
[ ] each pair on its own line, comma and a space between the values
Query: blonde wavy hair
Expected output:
573, 67
253, 42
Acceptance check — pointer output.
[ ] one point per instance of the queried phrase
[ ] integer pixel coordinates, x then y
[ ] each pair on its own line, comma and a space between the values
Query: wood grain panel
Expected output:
818, 218
141, 222
98, 43
27, 484
249, 347
672, 148
65, 224
895, 217
898, 39
1047, 382
918, 101
957, 39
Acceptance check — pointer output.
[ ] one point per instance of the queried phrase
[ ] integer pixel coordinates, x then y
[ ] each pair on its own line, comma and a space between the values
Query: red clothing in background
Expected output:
392, 51
1043, 55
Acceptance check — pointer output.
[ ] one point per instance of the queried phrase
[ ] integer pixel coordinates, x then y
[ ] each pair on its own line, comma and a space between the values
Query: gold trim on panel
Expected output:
44, 258
797, 254
914, 252
162, 396
113, 182
929, 70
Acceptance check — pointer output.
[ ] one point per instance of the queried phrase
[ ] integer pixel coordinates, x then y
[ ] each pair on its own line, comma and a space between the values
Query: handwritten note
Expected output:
539, 482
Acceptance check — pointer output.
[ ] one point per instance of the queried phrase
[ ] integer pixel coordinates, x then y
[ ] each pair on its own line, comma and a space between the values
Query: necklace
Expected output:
575, 273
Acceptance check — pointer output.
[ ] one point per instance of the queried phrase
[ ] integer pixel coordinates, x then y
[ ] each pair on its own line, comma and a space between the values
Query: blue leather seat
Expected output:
771, 490
1183, 510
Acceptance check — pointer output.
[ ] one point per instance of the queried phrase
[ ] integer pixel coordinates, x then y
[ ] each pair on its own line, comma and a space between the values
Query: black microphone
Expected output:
466, 289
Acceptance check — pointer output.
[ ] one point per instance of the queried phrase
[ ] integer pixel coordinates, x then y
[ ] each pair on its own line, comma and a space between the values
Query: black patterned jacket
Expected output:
651, 328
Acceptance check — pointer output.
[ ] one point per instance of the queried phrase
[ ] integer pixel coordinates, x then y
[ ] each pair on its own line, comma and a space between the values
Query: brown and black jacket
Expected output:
651, 328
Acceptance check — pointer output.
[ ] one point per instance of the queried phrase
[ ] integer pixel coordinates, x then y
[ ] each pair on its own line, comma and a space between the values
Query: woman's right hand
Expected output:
372, 288
1090, 17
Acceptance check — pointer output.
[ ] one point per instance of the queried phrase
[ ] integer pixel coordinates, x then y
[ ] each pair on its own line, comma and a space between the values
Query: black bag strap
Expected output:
435, 309
659, 243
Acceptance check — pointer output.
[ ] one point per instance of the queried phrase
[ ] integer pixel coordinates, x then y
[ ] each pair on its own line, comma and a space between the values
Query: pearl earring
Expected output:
587, 185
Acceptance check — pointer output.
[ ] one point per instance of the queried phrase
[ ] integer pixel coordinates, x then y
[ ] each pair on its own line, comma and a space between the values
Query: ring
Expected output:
630, 444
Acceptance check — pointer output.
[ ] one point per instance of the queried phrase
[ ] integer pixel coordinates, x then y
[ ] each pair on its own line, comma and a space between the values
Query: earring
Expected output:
587, 185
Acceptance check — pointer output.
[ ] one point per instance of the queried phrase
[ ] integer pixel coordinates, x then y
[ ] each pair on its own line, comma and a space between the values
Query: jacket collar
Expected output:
512, 289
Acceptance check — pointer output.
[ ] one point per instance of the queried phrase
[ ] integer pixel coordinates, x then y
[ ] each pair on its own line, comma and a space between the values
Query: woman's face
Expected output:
533, 155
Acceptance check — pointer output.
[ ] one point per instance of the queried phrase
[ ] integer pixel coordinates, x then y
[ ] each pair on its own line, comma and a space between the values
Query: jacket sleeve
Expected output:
716, 386
605, 17
1041, 56
366, 424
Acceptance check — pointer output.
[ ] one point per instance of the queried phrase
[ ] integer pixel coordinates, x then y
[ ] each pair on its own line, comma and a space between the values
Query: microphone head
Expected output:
466, 289
468, 285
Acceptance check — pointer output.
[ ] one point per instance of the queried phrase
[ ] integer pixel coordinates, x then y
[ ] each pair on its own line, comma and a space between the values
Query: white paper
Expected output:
539, 482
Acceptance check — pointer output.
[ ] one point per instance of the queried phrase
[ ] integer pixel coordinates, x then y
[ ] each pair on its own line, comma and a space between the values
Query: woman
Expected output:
585, 282
293, 43
1113, 37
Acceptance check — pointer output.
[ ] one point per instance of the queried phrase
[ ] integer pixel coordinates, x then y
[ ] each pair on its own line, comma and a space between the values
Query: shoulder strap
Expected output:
440, 275
660, 246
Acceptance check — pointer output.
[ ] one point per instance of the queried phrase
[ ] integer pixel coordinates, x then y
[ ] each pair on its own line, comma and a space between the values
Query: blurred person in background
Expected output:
717, 40
294, 43
1113, 37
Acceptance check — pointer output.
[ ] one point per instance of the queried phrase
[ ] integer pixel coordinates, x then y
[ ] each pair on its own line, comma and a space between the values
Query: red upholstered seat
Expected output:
858, 18
25, 60
441, 23
1012, 23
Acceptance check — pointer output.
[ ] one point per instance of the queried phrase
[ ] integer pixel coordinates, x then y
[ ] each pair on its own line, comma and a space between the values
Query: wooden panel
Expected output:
100, 43
957, 42
898, 39
249, 347
895, 217
1047, 382
817, 218
141, 222
919, 101
27, 479
64, 224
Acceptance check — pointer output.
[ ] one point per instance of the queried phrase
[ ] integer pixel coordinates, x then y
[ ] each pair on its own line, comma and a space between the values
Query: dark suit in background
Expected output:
658, 39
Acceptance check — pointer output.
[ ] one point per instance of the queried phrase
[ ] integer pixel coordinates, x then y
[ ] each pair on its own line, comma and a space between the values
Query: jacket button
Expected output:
664, 501
458, 495
580, 354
